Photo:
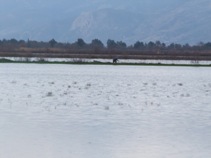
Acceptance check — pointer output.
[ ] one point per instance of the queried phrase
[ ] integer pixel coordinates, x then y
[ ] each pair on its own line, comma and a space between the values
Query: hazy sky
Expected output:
177, 20
30, 4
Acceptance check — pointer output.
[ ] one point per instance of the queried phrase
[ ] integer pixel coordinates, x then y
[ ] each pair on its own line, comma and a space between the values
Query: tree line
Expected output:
97, 44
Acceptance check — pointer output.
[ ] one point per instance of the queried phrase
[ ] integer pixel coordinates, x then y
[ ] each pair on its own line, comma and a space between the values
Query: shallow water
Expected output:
51, 111
130, 61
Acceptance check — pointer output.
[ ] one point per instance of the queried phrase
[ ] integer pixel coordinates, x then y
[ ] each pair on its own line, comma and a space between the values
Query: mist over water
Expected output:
51, 111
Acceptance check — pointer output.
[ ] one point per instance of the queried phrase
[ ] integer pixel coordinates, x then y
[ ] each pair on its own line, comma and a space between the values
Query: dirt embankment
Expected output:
107, 54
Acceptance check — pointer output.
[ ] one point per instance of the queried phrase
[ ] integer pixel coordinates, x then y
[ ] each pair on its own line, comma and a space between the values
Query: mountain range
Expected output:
144, 20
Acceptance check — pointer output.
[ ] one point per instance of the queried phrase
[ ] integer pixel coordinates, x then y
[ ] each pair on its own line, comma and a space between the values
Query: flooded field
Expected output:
88, 111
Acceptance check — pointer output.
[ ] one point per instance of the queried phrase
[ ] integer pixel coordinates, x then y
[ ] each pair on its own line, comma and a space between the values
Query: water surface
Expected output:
63, 111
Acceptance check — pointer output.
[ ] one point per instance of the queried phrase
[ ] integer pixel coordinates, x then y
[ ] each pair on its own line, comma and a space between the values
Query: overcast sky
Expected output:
148, 19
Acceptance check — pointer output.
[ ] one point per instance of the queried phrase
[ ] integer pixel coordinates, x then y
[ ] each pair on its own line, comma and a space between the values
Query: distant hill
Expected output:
145, 20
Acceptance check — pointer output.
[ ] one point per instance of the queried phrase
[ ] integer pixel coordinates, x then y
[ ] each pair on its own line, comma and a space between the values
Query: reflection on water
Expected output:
51, 111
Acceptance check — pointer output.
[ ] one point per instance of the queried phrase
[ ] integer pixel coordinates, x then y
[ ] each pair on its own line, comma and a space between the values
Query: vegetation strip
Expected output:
113, 49
99, 63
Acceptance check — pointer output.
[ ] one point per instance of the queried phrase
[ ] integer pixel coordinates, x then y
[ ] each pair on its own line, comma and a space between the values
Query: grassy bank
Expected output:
98, 63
